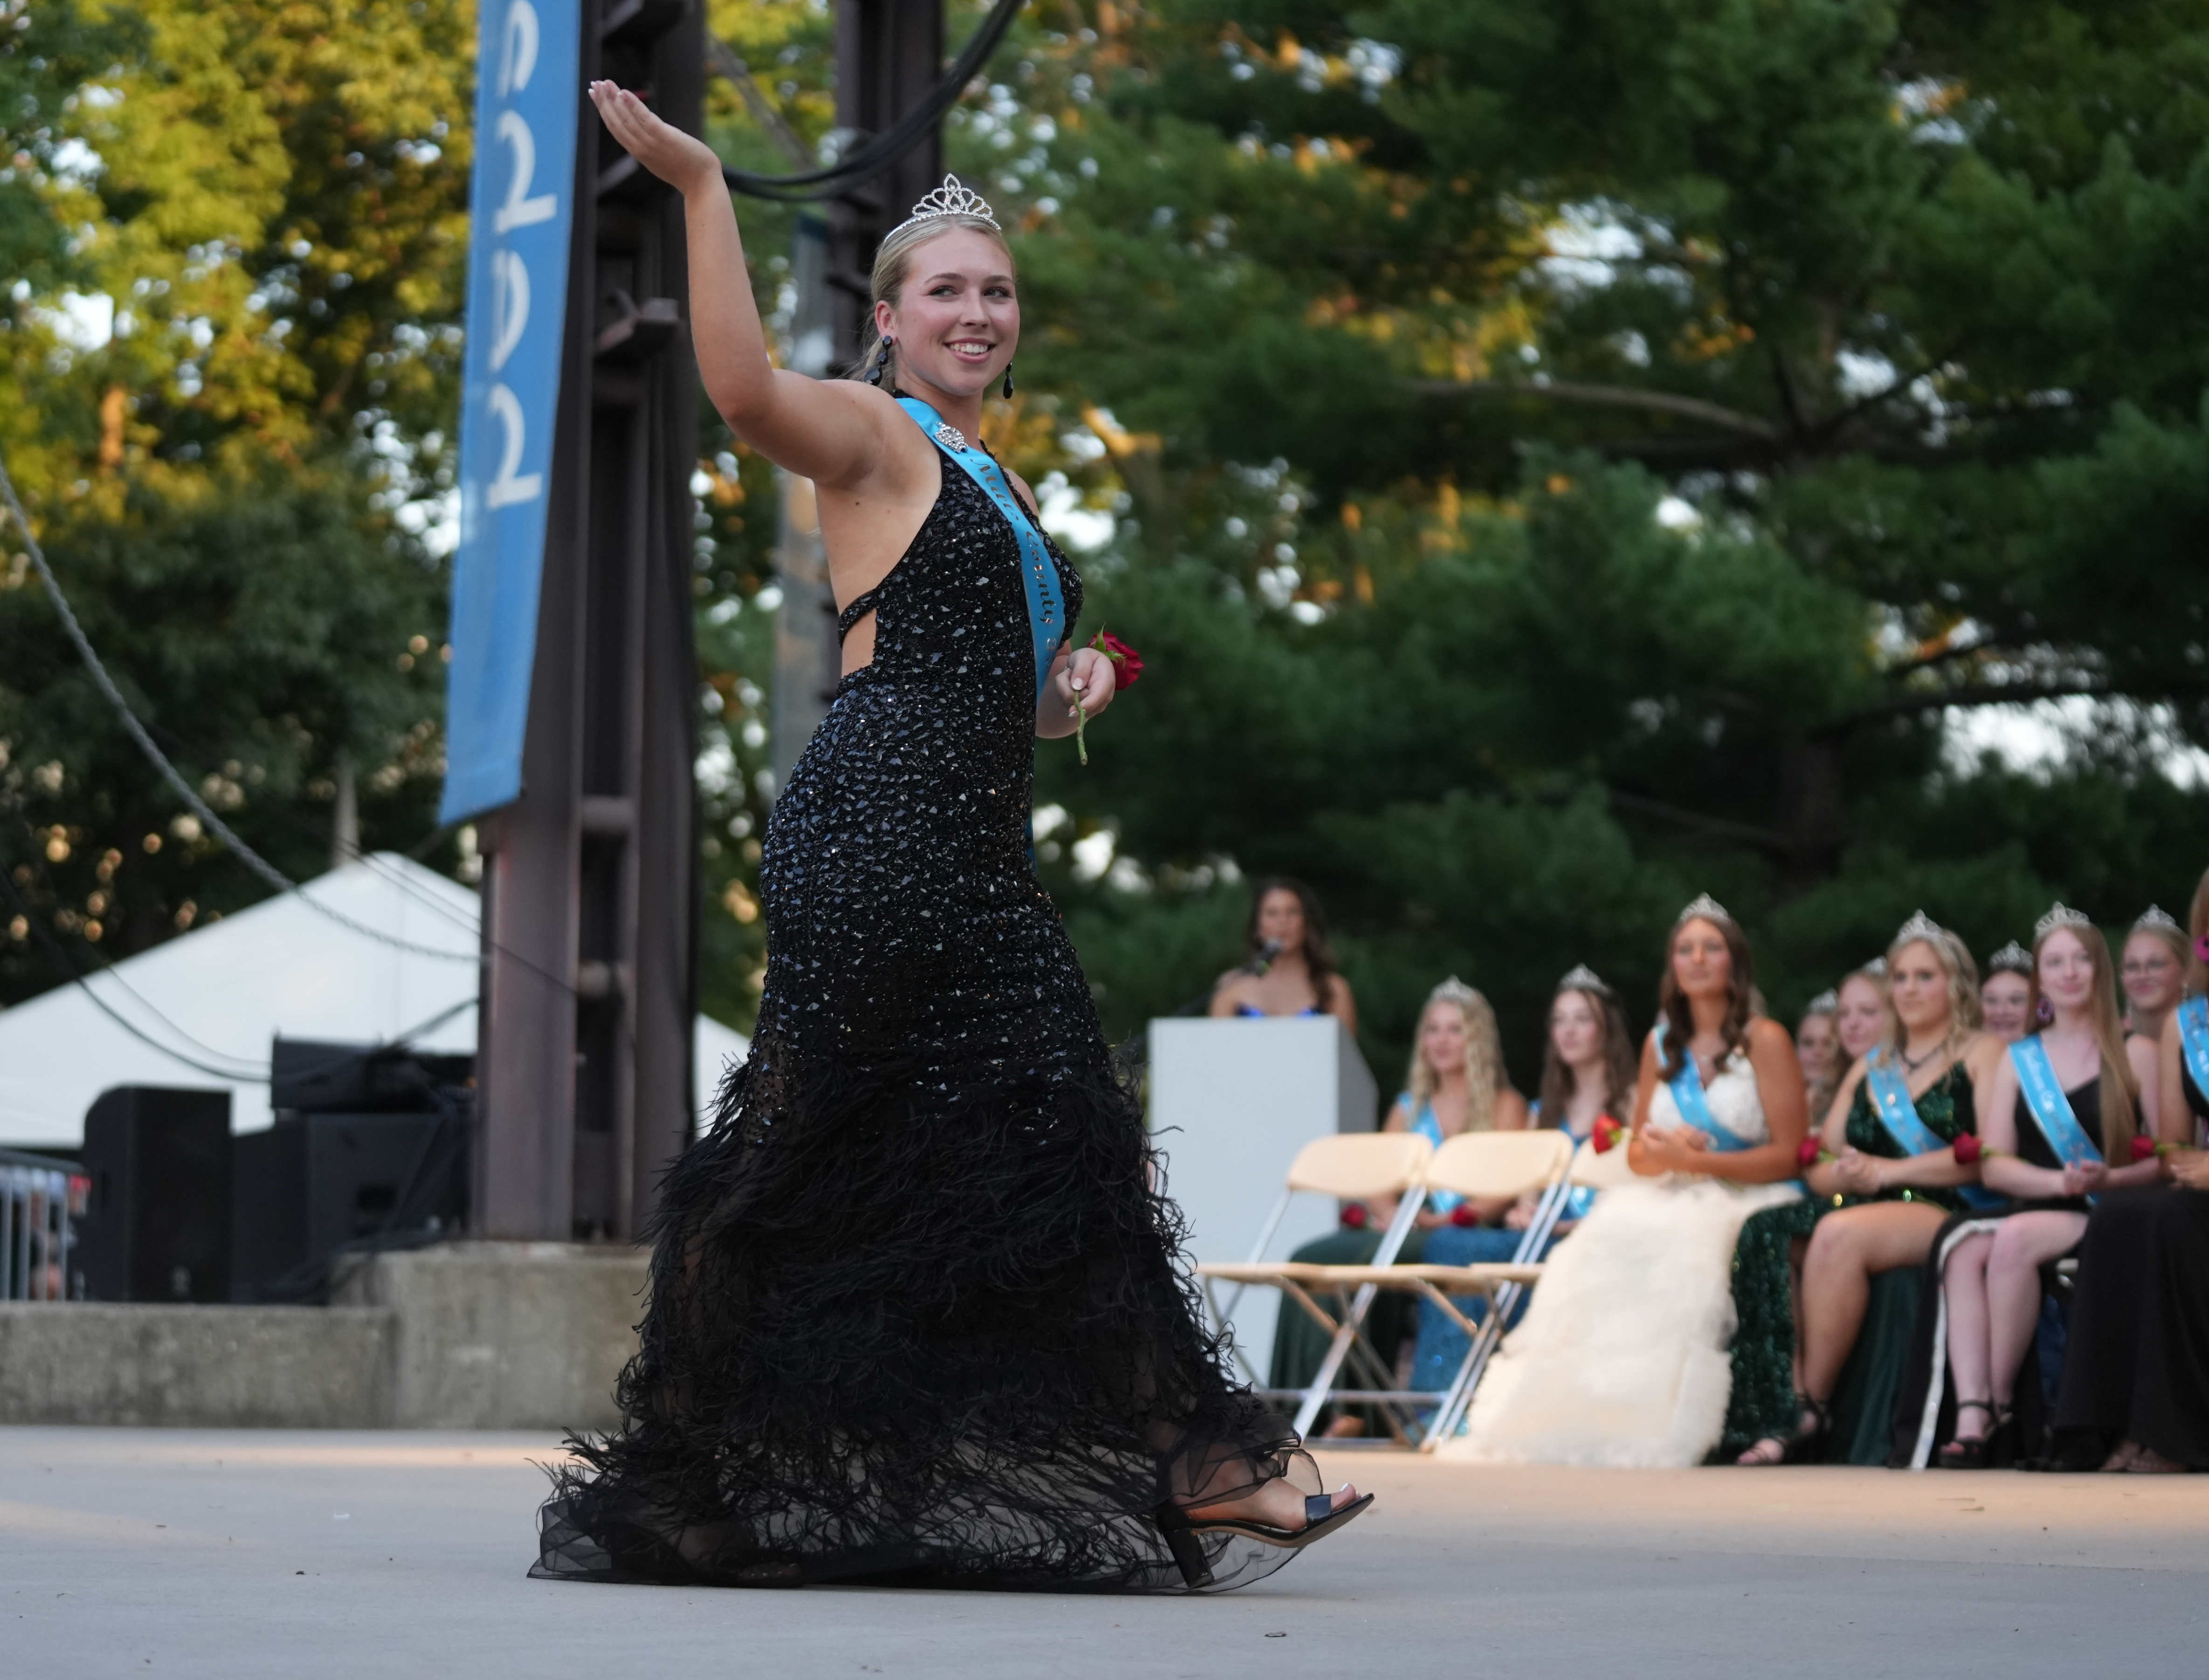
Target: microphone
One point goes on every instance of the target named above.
(1266, 952)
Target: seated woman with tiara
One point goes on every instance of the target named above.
(2006, 995)
(1456, 1083)
(1587, 1075)
(1885, 1179)
(2056, 1118)
(1818, 1048)
(2151, 973)
(1622, 1359)
(1290, 970)
(2135, 1393)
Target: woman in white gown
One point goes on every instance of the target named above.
(1622, 1357)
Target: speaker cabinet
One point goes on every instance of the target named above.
(313, 1183)
(157, 1224)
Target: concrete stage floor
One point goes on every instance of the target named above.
(327, 1556)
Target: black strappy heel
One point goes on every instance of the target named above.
(1809, 1446)
(1322, 1518)
(1971, 1454)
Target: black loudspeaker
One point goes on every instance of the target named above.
(157, 1224)
(313, 1183)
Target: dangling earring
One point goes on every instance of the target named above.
(881, 365)
(1008, 382)
(2046, 1012)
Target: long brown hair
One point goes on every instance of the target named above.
(1319, 953)
(1557, 1079)
(1672, 1003)
(2118, 1095)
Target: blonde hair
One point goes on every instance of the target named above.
(893, 259)
(1484, 1055)
(1962, 970)
(2117, 1093)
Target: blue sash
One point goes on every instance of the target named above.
(1438, 1201)
(2050, 1108)
(1695, 1105)
(1039, 576)
(2193, 1039)
(1891, 1102)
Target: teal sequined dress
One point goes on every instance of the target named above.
(1762, 1405)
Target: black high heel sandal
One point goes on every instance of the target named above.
(1809, 1446)
(1322, 1518)
(1971, 1454)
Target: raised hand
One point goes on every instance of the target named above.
(683, 161)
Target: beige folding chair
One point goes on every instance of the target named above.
(1350, 1167)
(1483, 1167)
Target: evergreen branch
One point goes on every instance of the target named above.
(1608, 396)
(1769, 839)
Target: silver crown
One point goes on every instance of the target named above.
(2058, 915)
(2012, 959)
(1876, 968)
(950, 199)
(1584, 978)
(1826, 1003)
(2155, 916)
(1919, 927)
(1454, 990)
(1706, 907)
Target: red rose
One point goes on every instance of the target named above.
(1127, 663)
(1607, 1132)
(1354, 1214)
(2145, 1148)
(1968, 1149)
(1809, 1152)
(1463, 1215)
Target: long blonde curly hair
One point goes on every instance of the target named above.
(1484, 1055)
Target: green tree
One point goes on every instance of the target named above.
(1568, 460)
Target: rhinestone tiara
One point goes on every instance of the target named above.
(1919, 927)
(2155, 916)
(1876, 968)
(1454, 990)
(1706, 907)
(951, 199)
(1826, 1003)
(2012, 959)
(1584, 978)
(2060, 915)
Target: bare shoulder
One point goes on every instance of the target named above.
(903, 454)
(1980, 1055)
(1339, 992)
(1511, 1111)
(1766, 1036)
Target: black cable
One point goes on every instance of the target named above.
(886, 149)
(61, 959)
(199, 808)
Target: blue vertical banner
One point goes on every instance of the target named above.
(521, 204)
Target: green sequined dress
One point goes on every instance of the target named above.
(1762, 1405)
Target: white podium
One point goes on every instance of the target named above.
(1231, 1104)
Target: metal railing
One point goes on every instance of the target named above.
(40, 1200)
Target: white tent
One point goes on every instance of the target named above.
(218, 994)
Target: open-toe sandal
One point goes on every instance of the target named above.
(1322, 1518)
(1971, 1454)
(1808, 1445)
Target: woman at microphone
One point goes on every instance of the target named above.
(1290, 969)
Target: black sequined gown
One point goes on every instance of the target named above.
(915, 1312)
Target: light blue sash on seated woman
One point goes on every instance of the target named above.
(1695, 1103)
(2044, 1099)
(1425, 1124)
(1046, 606)
(1897, 1113)
(2193, 1039)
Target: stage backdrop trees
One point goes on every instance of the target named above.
(1569, 460)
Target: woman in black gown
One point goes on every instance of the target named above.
(2136, 1368)
(915, 1313)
